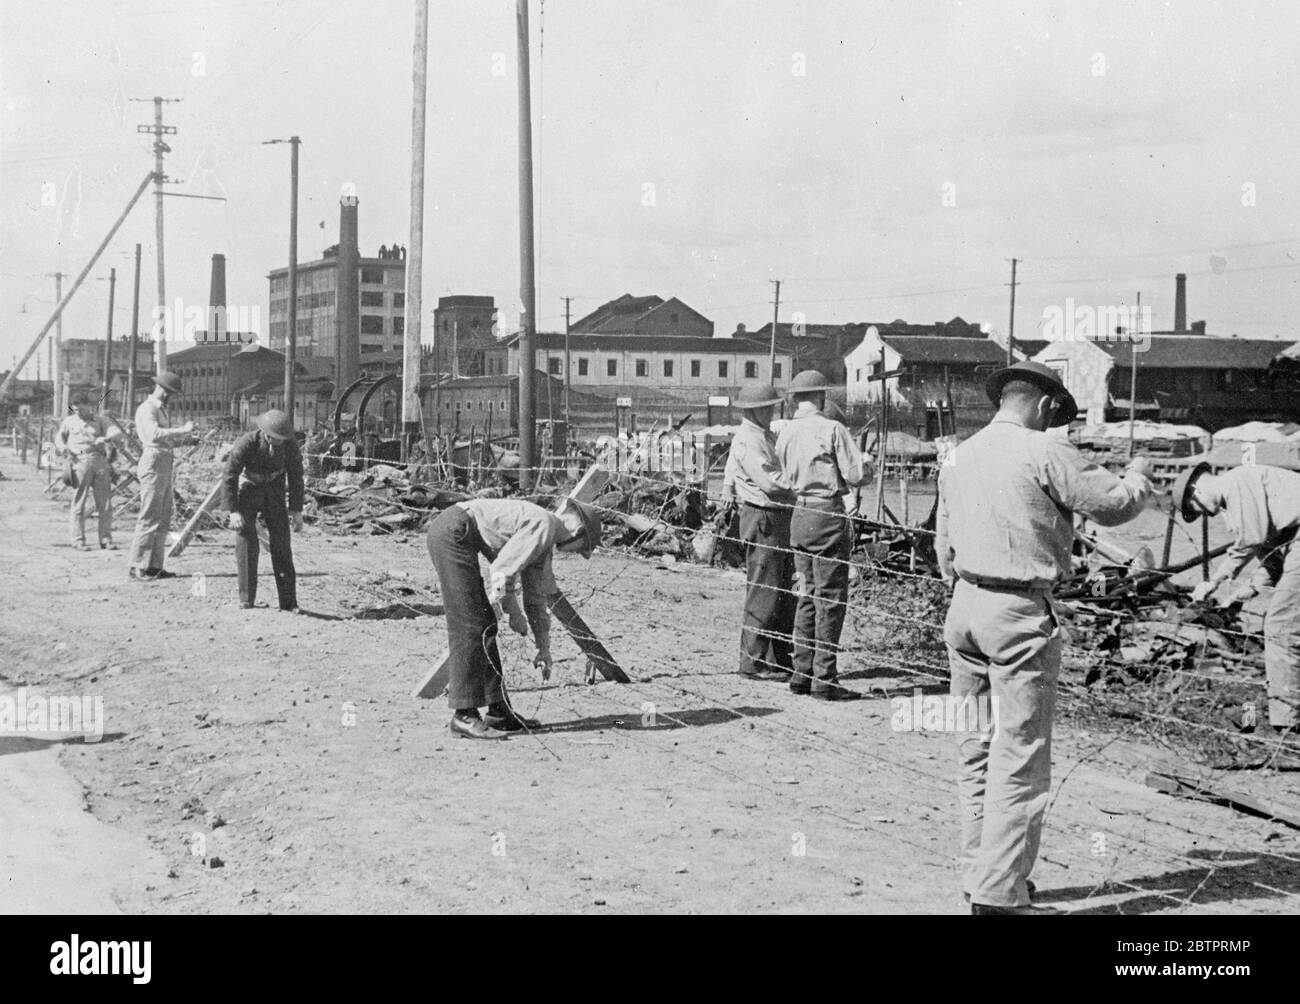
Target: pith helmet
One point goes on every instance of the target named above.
(808, 381)
(275, 423)
(1041, 376)
(1182, 490)
(756, 397)
(168, 381)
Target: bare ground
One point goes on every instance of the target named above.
(289, 750)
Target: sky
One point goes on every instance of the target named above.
(882, 159)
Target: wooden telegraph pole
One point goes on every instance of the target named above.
(128, 406)
(108, 340)
(415, 248)
(527, 281)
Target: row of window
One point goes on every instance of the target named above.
(375, 276)
(470, 405)
(555, 367)
(186, 372)
(371, 298)
(373, 324)
(191, 404)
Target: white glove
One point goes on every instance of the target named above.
(1203, 590)
(496, 588)
(1243, 593)
(542, 661)
(296, 519)
(1140, 465)
(236, 521)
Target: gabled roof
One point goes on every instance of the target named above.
(617, 314)
(941, 350)
(1198, 352)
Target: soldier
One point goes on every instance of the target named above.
(754, 477)
(1003, 537)
(262, 466)
(157, 493)
(518, 538)
(821, 461)
(86, 438)
(1262, 507)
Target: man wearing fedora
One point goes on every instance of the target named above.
(821, 462)
(518, 540)
(157, 492)
(1005, 526)
(1261, 505)
(263, 466)
(755, 479)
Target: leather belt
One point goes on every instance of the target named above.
(1004, 585)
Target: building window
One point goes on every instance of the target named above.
(372, 324)
(374, 276)
(751, 371)
(643, 367)
(672, 318)
(370, 298)
(399, 326)
(553, 366)
(399, 300)
(582, 366)
(668, 367)
(722, 369)
(857, 375)
(611, 367)
(776, 371)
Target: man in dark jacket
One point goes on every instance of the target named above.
(262, 466)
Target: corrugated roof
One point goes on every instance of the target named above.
(644, 343)
(945, 350)
(1198, 352)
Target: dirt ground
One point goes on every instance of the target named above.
(255, 761)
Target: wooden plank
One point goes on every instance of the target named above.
(1173, 782)
(187, 534)
(591, 484)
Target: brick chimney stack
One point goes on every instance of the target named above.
(1180, 304)
(217, 327)
(347, 318)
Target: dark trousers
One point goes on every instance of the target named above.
(769, 601)
(474, 678)
(821, 536)
(269, 501)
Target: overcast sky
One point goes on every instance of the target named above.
(882, 159)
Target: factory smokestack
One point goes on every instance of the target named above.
(217, 326)
(347, 318)
(1180, 304)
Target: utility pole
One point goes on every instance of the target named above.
(776, 312)
(415, 248)
(1133, 380)
(568, 325)
(57, 402)
(158, 130)
(291, 337)
(108, 339)
(128, 406)
(527, 279)
(1011, 325)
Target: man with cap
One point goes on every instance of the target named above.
(821, 462)
(1007, 498)
(86, 438)
(754, 477)
(1261, 505)
(157, 438)
(518, 540)
(263, 465)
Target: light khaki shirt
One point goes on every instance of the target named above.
(1007, 499)
(1261, 507)
(153, 426)
(78, 436)
(753, 472)
(521, 539)
(818, 455)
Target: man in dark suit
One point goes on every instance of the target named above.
(263, 465)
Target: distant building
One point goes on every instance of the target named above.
(628, 363)
(474, 403)
(644, 315)
(83, 367)
(349, 308)
(214, 375)
(1194, 379)
(463, 334)
(822, 347)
